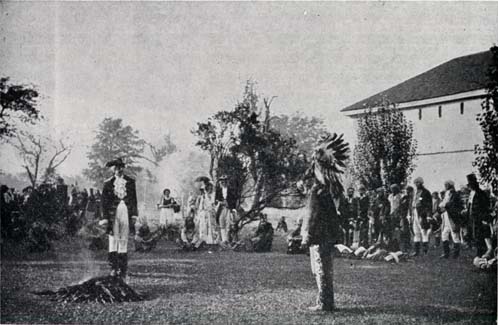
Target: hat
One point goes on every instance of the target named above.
(222, 178)
(116, 162)
(472, 178)
(419, 180)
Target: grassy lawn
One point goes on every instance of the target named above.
(233, 288)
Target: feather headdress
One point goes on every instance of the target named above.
(330, 157)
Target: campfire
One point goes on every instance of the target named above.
(104, 289)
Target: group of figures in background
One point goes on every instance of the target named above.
(38, 215)
(210, 221)
(390, 224)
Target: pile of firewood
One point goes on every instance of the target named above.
(105, 289)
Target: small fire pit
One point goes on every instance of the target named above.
(104, 289)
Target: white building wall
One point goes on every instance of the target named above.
(438, 137)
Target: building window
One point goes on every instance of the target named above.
(461, 108)
(440, 111)
(419, 113)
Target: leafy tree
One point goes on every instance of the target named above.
(261, 163)
(306, 131)
(385, 150)
(17, 104)
(113, 140)
(487, 154)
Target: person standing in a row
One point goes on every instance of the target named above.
(478, 214)
(451, 208)
(421, 212)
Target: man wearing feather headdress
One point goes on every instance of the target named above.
(322, 225)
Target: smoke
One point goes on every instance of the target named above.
(178, 171)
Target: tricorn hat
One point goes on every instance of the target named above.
(116, 162)
(472, 178)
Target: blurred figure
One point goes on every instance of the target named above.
(380, 211)
(282, 225)
(406, 217)
(392, 228)
(362, 219)
(294, 240)
(189, 239)
(145, 239)
(451, 207)
(421, 212)
(478, 213)
(166, 205)
(351, 207)
(225, 201)
(436, 219)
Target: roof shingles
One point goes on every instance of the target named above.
(459, 75)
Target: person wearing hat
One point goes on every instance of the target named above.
(362, 220)
(225, 201)
(478, 214)
(451, 208)
(421, 212)
(119, 210)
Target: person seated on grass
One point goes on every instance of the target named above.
(145, 239)
(189, 238)
(261, 241)
(294, 240)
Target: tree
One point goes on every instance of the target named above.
(487, 154)
(40, 154)
(17, 104)
(306, 131)
(261, 163)
(386, 150)
(113, 140)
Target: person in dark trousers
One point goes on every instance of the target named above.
(119, 210)
(478, 212)
(405, 222)
(362, 219)
(351, 207)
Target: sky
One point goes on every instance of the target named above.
(163, 66)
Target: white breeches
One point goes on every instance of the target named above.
(449, 229)
(225, 219)
(118, 242)
(166, 216)
(419, 234)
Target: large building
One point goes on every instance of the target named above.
(443, 104)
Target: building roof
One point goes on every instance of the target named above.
(459, 75)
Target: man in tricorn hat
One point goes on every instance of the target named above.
(119, 209)
(225, 202)
(478, 214)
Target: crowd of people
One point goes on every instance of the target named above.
(405, 218)
(48, 211)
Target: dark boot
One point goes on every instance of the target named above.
(416, 246)
(446, 249)
(426, 247)
(123, 265)
(113, 263)
(456, 250)
(438, 241)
